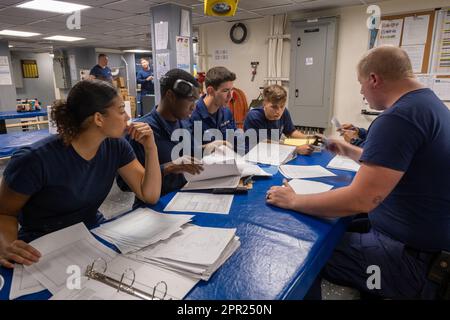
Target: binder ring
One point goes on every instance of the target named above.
(165, 289)
(95, 263)
(121, 279)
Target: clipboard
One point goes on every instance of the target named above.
(159, 290)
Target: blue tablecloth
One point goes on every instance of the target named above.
(281, 251)
(10, 142)
(4, 115)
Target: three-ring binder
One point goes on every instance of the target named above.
(91, 273)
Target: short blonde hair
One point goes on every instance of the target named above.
(388, 62)
(275, 93)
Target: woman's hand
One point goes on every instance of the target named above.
(18, 252)
(142, 133)
(281, 196)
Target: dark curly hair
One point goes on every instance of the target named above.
(85, 98)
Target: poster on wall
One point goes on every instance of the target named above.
(183, 54)
(5, 72)
(161, 35)
(390, 32)
(185, 27)
(162, 64)
(416, 55)
(416, 30)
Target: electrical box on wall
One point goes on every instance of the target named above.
(313, 60)
(221, 8)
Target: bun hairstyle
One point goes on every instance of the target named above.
(85, 99)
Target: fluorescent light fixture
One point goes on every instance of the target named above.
(137, 50)
(10, 46)
(64, 38)
(15, 33)
(53, 6)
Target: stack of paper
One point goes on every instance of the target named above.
(309, 187)
(222, 169)
(301, 172)
(215, 174)
(271, 153)
(343, 163)
(140, 229)
(245, 168)
(196, 251)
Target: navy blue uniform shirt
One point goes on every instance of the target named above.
(147, 86)
(221, 120)
(101, 73)
(256, 119)
(162, 131)
(413, 136)
(64, 188)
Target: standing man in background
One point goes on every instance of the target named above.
(101, 71)
(144, 77)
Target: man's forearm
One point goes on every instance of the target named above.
(340, 202)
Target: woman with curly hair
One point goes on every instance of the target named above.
(63, 179)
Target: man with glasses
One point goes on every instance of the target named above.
(179, 91)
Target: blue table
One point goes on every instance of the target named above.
(281, 251)
(8, 115)
(10, 142)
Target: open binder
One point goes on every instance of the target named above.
(121, 284)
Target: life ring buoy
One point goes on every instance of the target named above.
(236, 26)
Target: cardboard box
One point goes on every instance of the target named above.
(121, 82)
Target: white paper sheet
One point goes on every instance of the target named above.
(309, 187)
(23, 283)
(442, 88)
(162, 64)
(390, 33)
(336, 123)
(71, 246)
(200, 202)
(343, 163)
(416, 54)
(183, 54)
(161, 35)
(271, 153)
(415, 31)
(301, 172)
(5, 72)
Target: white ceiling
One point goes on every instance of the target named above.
(124, 24)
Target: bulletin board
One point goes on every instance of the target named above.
(413, 32)
(425, 36)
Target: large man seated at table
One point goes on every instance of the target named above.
(403, 184)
